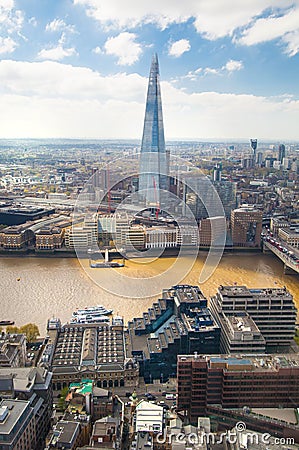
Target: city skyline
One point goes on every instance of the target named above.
(76, 68)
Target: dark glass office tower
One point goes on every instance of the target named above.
(281, 152)
(153, 157)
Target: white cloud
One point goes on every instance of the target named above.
(11, 19)
(292, 43)
(59, 25)
(228, 68)
(33, 21)
(285, 26)
(7, 45)
(124, 47)
(57, 52)
(177, 48)
(113, 14)
(213, 19)
(51, 99)
(211, 71)
(233, 65)
(97, 50)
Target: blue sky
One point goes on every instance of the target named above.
(79, 68)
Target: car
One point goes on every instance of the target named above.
(170, 396)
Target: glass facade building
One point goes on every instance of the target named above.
(153, 157)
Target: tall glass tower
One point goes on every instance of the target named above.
(153, 158)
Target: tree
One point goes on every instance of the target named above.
(61, 401)
(31, 331)
(12, 330)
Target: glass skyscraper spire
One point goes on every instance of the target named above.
(153, 159)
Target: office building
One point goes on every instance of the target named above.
(217, 172)
(49, 238)
(91, 351)
(239, 333)
(12, 350)
(84, 236)
(259, 159)
(246, 224)
(211, 231)
(135, 237)
(114, 227)
(227, 194)
(207, 198)
(161, 237)
(104, 433)
(260, 381)
(290, 235)
(153, 159)
(179, 322)
(149, 417)
(253, 145)
(272, 309)
(247, 163)
(17, 237)
(70, 432)
(281, 153)
(33, 386)
(17, 425)
(17, 215)
(269, 162)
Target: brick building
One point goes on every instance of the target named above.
(234, 382)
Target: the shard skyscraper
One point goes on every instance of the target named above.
(153, 158)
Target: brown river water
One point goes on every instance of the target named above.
(35, 289)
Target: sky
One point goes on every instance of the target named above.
(79, 68)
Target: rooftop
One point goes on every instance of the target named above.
(244, 291)
(263, 362)
(11, 412)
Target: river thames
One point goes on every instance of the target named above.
(35, 289)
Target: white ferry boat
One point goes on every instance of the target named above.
(93, 311)
(90, 319)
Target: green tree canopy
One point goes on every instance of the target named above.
(30, 330)
(12, 329)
